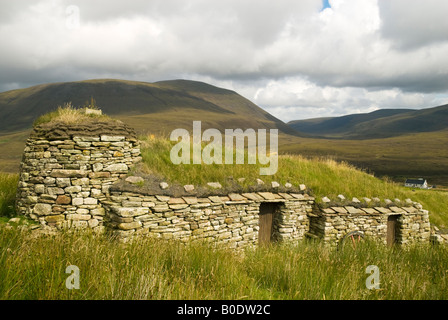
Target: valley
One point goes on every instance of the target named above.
(381, 143)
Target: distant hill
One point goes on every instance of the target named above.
(378, 124)
(149, 107)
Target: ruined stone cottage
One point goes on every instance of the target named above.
(78, 176)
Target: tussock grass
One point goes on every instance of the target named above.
(68, 114)
(34, 268)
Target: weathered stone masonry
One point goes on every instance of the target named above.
(66, 171)
(232, 219)
(77, 176)
(333, 223)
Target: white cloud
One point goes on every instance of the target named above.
(287, 56)
(410, 26)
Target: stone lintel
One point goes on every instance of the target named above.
(236, 197)
(252, 196)
(267, 195)
(383, 210)
(339, 209)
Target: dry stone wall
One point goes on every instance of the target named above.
(332, 223)
(66, 171)
(232, 220)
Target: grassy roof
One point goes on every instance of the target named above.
(322, 176)
(68, 114)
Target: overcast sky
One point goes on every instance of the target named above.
(296, 59)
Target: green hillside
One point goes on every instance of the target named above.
(150, 108)
(414, 155)
(183, 99)
(160, 107)
(378, 124)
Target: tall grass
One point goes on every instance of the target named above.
(8, 189)
(34, 268)
(68, 114)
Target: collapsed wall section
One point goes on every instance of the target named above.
(67, 170)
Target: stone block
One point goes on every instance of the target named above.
(176, 201)
(163, 185)
(99, 175)
(129, 212)
(134, 180)
(383, 210)
(93, 223)
(49, 181)
(90, 201)
(353, 210)
(252, 196)
(63, 182)
(106, 138)
(228, 220)
(369, 210)
(339, 209)
(178, 206)
(98, 212)
(55, 191)
(63, 199)
(215, 199)
(236, 197)
(62, 173)
(118, 167)
(79, 217)
(163, 198)
(214, 185)
(77, 202)
(73, 189)
(131, 204)
(39, 188)
(298, 196)
(32, 199)
(42, 209)
(130, 225)
(83, 182)
(267, 195)
(55, 218)
(190, 200)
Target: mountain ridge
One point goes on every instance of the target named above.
(175, 99)
(383, 123)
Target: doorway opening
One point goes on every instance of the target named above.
(267, 214)
(392, 230)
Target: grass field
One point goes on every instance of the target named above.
(34, 268)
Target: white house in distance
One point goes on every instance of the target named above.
(416, 183)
